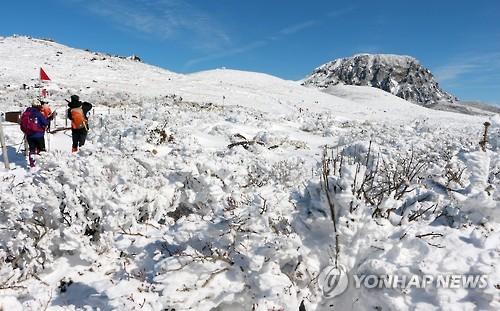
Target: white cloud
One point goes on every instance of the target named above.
(163, 19)
(341, 12)
(225, 54)
(298, 27)
(253, 45)
(453, 71)
(466, 64)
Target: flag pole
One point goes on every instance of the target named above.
(40, 82)
(43, 77)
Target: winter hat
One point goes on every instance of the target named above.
(75, 99)
(36, 103)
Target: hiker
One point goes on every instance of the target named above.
(78, 113)
(34, 124)
(47, 112)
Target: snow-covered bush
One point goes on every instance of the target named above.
(409, 184)
(219, 228)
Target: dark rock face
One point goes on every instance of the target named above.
(402, 76)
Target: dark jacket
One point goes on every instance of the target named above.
(42, 122)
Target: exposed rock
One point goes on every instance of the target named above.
(402, 76)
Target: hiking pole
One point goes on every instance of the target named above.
(48, 141)
(26, 146)
(20, 145)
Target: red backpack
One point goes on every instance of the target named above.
(29, 122)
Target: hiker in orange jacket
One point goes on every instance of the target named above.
(78, 113)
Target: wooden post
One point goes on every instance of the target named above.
(4, 147)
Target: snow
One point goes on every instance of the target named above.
(206, 192)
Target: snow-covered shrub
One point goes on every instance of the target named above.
(405, 183)
(217, 228)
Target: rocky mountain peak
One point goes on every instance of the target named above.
(400, 75)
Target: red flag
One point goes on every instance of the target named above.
(43, 75)
(44, 93)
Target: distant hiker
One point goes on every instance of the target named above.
(47, 112)
(34, 124)
(78, 113)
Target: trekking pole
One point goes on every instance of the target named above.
(48, 141)
(20, 145)
(26, 146)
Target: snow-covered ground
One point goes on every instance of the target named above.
(207, 192)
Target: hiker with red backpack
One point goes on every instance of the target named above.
(34, 124)
(78, 113)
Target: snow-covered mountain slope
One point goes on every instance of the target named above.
(111, 80)
(215, 191)
(21, 57)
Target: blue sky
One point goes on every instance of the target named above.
(458, 41)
